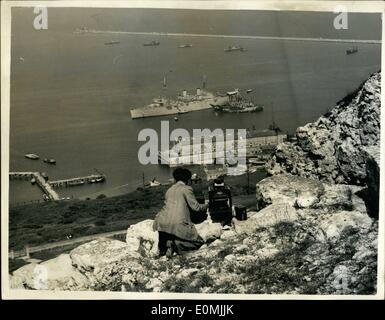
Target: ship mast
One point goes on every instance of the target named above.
(273, 125)
(204, 81)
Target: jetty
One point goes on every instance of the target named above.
(93, 178)
(44, 185)
(48, 186)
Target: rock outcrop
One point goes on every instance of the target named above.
(332, 148)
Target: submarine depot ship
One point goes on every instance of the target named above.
(184, 103)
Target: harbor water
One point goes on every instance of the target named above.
(71, 94)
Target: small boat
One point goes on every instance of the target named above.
(154, 183)
(232, 108)
(76, 183)
(352, 50)
(33, 181)
(32, 156)
(50, 161)
(188, 45)
(234, 48)
(151, 44)
(97, 179)
(44, 175)
(249, 90)
(176, 119)
(111, 42)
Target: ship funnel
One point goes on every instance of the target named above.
(184, 93)
(198, 91)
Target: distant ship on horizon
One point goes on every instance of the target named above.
(352, 50)
(187, 45)
(111, 42)
(234, 48)
(151, 44)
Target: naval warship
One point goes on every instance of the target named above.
(184, 103)
(234, 48)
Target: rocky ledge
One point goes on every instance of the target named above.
(311, 234)
(333, 147)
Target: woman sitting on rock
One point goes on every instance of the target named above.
(176, 231)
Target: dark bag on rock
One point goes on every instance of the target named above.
(220, 204)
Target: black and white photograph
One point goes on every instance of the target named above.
(192, 149)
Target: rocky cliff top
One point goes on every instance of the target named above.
(332, 148)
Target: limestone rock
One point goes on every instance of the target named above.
(228, 234)
(336, 196)
(338, 222)
(142, 238)
(54, 274)
(154, 285)
(331, 148)
(209, 231)
(267, 217)
(306, 198)
(289, 189)
(266, 252)
(98, 253)
(23, 277)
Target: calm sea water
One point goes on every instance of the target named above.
(71, 96)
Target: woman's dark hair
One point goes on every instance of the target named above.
(182, 174)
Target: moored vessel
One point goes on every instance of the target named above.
(32, 156)
(236, 103)
(234, 48)
(50, 161)
(184, 103)
(111, 42)
(188, 45)
(76, 183)
(151, 44)
(154, 183)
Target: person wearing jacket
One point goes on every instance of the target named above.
(176, 231)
